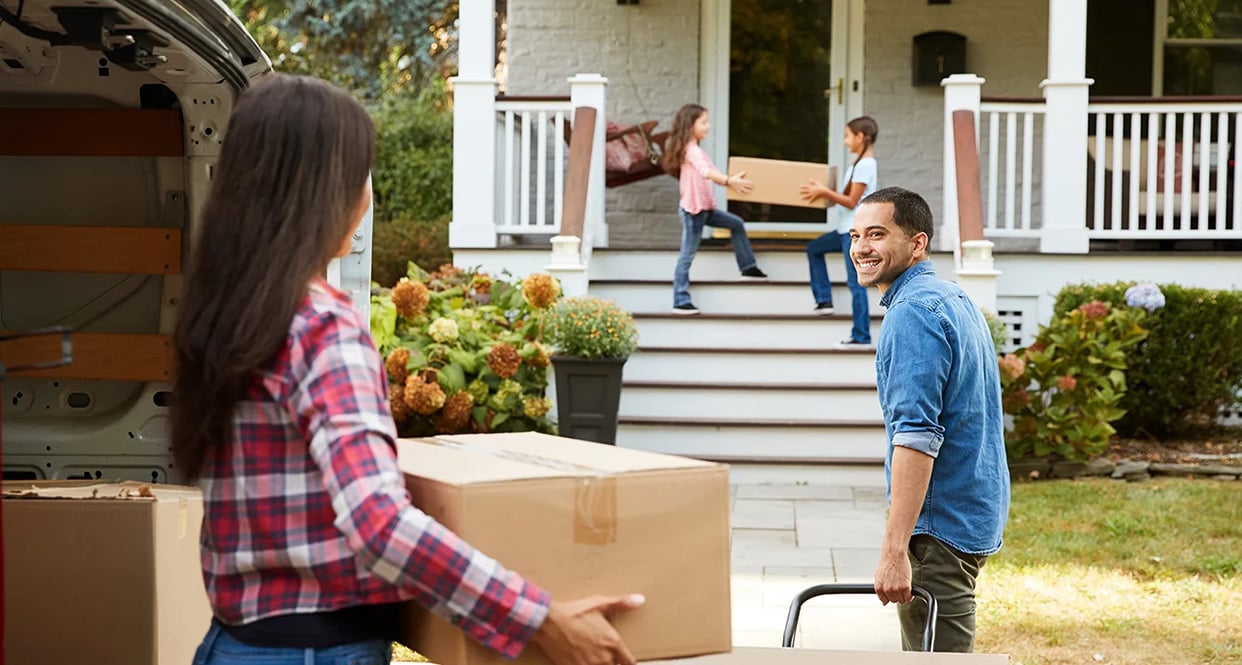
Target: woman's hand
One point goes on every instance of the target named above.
(813, 190)
(578, 632)
(739, 183)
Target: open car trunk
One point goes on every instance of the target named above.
(112, 115)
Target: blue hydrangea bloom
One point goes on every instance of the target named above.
(1145, 295)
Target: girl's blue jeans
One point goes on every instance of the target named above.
(218, 648)
(692, 234)
(821, 286)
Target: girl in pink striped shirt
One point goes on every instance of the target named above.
(695, 172)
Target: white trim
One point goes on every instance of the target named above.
(714, 80)
(857, 32)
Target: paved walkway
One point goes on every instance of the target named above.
(788, 536)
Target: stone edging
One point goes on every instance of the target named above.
(1128, 470)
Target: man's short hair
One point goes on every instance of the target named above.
(910, 211)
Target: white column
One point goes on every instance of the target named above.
(977, 275)
(591, 90)
(474, 128)
(1065, 131)
(961, 92)
(568, 267)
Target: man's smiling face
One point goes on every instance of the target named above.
(881, 250)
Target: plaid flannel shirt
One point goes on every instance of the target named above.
(306, 510)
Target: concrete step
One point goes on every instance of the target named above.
(785, 401)
(731, 440)
(732, 331)
(748, 367)
(726, 296)
(788, 263)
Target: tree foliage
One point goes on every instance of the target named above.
(374, 47)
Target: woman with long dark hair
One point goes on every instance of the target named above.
(281, 413)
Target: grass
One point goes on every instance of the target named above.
(1131, 573)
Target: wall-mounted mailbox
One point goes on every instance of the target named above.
(936, 55)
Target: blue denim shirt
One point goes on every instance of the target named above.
(940, 393)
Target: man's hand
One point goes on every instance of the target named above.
(892, 578)
(578, 632)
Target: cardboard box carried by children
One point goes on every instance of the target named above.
(580, 519)
(778, 181)
(102, 573)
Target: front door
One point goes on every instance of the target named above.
(790, 82)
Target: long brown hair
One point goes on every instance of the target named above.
(680, 137)
(870, 130)
(287, 185)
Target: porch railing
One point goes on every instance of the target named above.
(1164, 169)
(532, 138)
(510, 158)
(1156, 168)
(1015, 215)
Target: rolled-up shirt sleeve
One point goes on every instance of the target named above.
(917, 362)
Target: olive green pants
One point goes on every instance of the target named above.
(950, 576)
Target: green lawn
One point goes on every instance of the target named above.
(1103, 571)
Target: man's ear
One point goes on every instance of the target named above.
(921, 242)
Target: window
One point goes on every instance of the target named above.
(1199, 52)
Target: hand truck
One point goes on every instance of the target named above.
(795, 608)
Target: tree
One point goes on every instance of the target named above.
(374, 47)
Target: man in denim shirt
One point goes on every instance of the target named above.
(940, 393)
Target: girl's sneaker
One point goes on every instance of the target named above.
(853, 344)
(753, 272)
(687, 309)
(824, 309)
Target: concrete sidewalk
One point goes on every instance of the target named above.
(788, 535)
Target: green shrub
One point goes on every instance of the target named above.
(397, 243)
(1064, 391)
(1000, 332)
(412, 182)
(413, 174)
(1188, 370)
(587, 327)
(463, 352)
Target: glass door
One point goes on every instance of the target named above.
(789, 89)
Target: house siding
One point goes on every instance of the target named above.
(650, 55)
(1006, 43)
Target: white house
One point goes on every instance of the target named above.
(1107, 138)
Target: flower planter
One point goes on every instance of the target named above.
(588, 396)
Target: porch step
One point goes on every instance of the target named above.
(728, 296)
(712, 263)
(767, 400)
(756, 440)
(758, 331)
(738, 365)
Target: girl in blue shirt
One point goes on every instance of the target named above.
(860, 179)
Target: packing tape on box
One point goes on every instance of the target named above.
(595, 495)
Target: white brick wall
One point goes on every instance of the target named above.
(650, 54)
(1006, 43)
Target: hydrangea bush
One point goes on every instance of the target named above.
(1064, 391)
(464, 351)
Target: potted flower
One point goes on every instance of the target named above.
(592, 339)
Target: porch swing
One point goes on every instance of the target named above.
(633, 153)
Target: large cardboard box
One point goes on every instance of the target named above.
(778, 181)
(105, 573)
(761, 656)
(580, 519)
